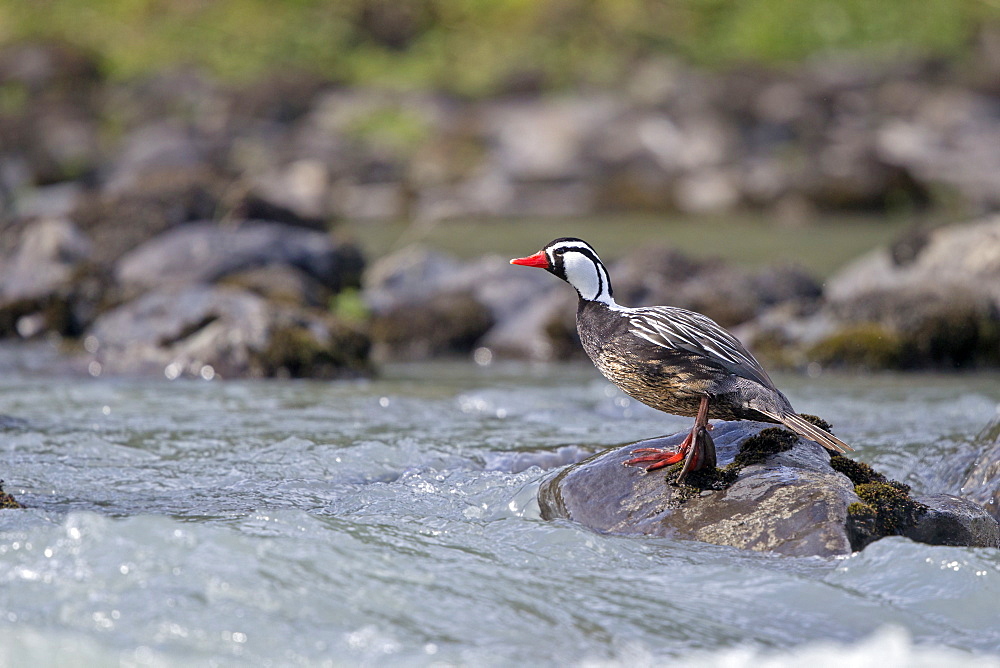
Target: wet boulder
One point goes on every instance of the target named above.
(776, 492)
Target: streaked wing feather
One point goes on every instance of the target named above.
(677, 328)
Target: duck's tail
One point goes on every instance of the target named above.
(808, 430)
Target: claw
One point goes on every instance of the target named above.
(665, 462)
(660, 458)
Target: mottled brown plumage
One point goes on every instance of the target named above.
(672, 359)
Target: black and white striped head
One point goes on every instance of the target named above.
(574, 261)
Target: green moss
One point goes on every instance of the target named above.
(894, 510)
(885, 509)
(859, 472)
(865, 345)
(861, 510)
(768, 442)
(696, 482)
(713, 478)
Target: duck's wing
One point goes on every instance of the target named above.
(679, 329)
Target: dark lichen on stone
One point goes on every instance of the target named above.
(895, 511)
(758, 448)
(7, 500)
(859, 472)
(885, 509)
(754, 450)
(696, 482)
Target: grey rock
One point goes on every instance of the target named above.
(44, 260)
(952, 520)
(544, 330)
(53, 201)
(543, 140)
(187, 331)
(409, 275)
(119, 221)
(937, 295)
(283, 284)
(932, 299)
(483, 302)
(206, 252)
(449, 323)
(730, 295)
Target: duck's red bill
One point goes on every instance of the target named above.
(539, 259)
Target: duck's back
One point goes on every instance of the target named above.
(670, 378)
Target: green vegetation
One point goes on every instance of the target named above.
(476, 47)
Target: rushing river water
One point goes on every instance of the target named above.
(393, 522)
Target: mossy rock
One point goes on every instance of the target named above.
(885, 507)
(895, 511)
(859, 472)
(785, 498)
(298, 351)
(867, 345)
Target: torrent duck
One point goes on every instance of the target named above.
(672, 359)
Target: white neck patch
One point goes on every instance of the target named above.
(589, 278)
